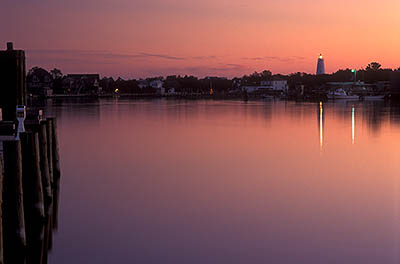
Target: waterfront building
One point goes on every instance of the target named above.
(272, 86)
(320, 65)
(158, 86)
(276, 85)
(39, 82)
(81, 83)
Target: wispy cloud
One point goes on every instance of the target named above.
(163, 56)
(204, 57)
(102, 54)
(56, 61)
(275, 58)
(224, 69)
(231, 66)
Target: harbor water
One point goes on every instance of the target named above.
(169, 181)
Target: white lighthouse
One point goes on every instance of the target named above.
(320, 65)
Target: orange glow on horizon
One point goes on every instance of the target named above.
(212, 37)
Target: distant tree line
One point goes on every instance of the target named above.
(180, 84)
(372, 73)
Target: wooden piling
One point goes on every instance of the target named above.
(13, 212)
(33, 196)
(44, 167)
(56, 155)
(56, 201)
(49, 131)
(1, 210)
(31, 176)
(50, 244)
(46, 241)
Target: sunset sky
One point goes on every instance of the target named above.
(143, 38)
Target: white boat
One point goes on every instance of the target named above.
(341, 94)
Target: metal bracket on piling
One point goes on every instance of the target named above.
(40, 115)
(21, 115)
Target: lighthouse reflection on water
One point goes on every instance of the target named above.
(321, 124)
(321, 121)
(353, 121)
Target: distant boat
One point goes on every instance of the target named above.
(267, 97)
(341, 94)
(373, 97)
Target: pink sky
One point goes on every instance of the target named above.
(137, 38)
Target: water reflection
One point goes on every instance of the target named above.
(39, 235)
(353, 124)
(374, 115)
(170, 181)
(321, 124)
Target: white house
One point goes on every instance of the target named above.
(158, 86)
(280, 85)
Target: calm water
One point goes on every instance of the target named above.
(228, 182)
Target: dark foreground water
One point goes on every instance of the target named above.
(228, 182)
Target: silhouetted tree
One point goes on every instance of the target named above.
(56, 73)
(57, 81)
(373, 66)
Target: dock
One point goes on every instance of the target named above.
(29, 169)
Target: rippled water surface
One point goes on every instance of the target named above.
(168, 181)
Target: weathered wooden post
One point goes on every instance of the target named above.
(50, 245)
(56, 201)
(13, 211)
(44, 167)
(33, 196)
(49, 131)
(1, 208)
(56, 154)
(31, 176)
(46, 241)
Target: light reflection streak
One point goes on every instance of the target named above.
(353, 125)
(321, 126)
(321, 115)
